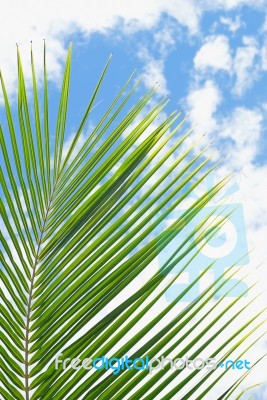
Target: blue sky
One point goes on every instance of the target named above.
(184, 64)
(210, 57)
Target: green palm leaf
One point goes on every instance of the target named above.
(76, 235)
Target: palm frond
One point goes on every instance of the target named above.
(79, 229)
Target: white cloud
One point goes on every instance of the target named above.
(233, 24)
(245, 66)
(243, 63)
(264, 56)
(203, 103)
(166, 38)
(58, 21)
(231, 4)
(243, 127)
(264, 25)
(187, 13)
(240, 136)
(215, 53)
(153, 71)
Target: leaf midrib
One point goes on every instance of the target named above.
(30, 297)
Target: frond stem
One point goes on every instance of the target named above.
(28, 316)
